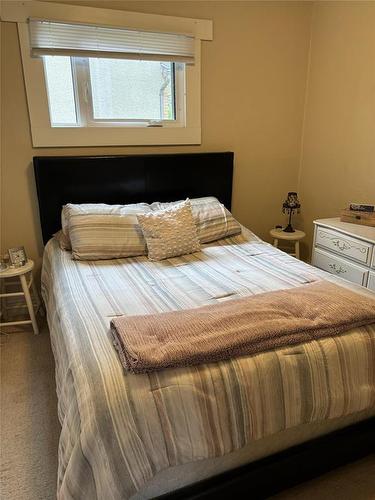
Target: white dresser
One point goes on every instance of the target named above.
(345, 249)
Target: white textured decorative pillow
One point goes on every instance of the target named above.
(212, 219)
(105, 231)
(170, 232)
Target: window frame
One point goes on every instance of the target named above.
(43, 135)
(84, 102)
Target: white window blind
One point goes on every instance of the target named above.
(86, 40)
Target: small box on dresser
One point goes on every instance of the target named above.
(345, 249)
(363, 218)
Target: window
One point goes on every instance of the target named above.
(60, 88)
(111, 76)
(91, 92)
(132, 90)
(101, 77)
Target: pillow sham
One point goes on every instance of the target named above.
(63, 241)
(212, 219)
(105, 231)
(95, 208)
(170, 232)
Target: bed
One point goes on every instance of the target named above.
(202, 431)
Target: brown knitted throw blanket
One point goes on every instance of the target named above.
(238, 327)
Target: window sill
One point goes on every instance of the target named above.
(114, 136)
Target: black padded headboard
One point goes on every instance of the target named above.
(128, 179)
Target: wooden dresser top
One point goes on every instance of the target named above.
(356, 230)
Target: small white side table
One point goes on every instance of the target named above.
(22, 272)
(279, 234)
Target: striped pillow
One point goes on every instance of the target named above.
(63, 241)
(99, 231)
(212, 219)
(96, 208)
(170, 232)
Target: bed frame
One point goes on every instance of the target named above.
(286, 469)
(168, 177)
(128, 179)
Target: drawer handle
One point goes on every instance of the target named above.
(337, 269)
(342, 245)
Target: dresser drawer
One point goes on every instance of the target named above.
(371, 281)
(340, 267)
(373, 259)
(357, 250)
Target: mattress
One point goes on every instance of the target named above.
(136, 436)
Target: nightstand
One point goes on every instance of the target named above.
(279, 234)
(26, 284)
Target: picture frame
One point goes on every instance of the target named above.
(17, 256)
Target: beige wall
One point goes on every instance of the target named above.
(259, 101)
(253, 88)
(338, 157)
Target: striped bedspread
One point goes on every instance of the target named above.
(119, 430)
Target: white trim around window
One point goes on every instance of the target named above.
(44, 135)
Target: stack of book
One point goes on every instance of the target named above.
(359, 213)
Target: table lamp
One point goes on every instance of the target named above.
(290, 206)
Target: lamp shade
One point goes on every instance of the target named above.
(292, 201)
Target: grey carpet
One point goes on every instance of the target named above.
(30, 430)
(29, 424)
